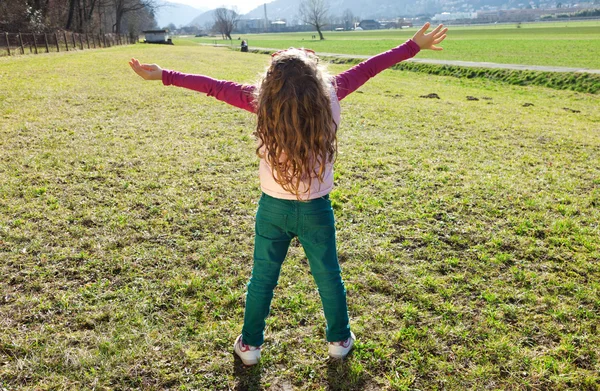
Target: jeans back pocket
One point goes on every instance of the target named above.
(319, 227)
(271, 225)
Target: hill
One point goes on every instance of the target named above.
(178, 14)
(204, 18)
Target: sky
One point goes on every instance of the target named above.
(243, 6)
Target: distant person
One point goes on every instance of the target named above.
(244, 46)
(295, 181)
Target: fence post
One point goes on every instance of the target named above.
(87, 39)
(56, 38)
(93, 41)
(74, 43)
(66, 41)
(80, 41)
(7, 43)
(104, 36)
(46, 41)
(21, 42)
(35, 44)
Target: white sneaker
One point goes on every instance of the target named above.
(248, 354)
(342, 348)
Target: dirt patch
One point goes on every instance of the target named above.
(430, 96)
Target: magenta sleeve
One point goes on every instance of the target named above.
(238, 95)
(350, 80)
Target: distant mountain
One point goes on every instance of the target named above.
(203, 19)
(178, 14)
(375, 9)
(288, 9)
(278, 9)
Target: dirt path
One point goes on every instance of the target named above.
(471, 64)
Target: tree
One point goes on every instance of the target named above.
(314, 12)
(348, 19)
(225, 21)
(123, 7)
(80, 14)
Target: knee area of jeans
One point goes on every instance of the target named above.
(259, 285)
(330, 278)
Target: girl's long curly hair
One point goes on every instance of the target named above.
(295, 130)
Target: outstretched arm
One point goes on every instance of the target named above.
(350, 80)
(235, 94)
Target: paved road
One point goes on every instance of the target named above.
(457, 63)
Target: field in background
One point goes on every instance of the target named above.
(468, 233)
(568, 44)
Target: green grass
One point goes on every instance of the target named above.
(574, 44)
(468, 233)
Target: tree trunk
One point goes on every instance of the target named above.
(118, 24)
(80, 12)
(321, 37)
(71, 12)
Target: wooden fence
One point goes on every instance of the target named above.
(34, 43)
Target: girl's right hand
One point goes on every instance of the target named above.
(428, 41)
(146, 71)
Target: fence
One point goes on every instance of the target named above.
(20, 43)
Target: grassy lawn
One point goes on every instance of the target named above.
(468, 233)
(575, 44)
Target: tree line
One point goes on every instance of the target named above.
(82, 16)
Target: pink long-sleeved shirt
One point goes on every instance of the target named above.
(242, 96)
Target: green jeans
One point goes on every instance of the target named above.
(278, 221)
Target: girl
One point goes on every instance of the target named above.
(298, 110)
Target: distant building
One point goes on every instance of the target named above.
(278, 25)
(369, 24)
(157, 36)
(255, 25)
(404, 23)
(446, 16)
(518, 15)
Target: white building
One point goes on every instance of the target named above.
(156, 36)
(445, 16)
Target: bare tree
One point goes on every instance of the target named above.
(81, 13)
(314, 12)
(348, 19)
(123, 7)
(225, 21)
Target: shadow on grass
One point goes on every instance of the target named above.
(346, 375)
(248, 378)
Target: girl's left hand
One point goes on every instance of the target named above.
(428, 41)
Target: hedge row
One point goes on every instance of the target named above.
(580, 82)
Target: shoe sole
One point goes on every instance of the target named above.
(248, 363)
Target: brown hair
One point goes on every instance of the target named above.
(295, 129)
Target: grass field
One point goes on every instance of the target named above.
(574, 44)
(468, 233)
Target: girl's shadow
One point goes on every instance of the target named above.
(247, 378)
(341, 375)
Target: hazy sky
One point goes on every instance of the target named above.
(244, 6)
